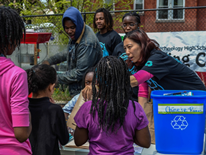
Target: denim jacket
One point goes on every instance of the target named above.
(81, 55)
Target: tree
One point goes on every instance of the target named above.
(8, 2)
(37, 7)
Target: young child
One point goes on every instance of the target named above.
(111, 122)
(14, 112)
(87, 80)
(48, 120)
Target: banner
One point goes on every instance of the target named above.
(188, 47)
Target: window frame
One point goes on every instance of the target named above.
(170, 12)
(134, 5)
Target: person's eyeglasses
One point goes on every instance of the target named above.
(130, 25)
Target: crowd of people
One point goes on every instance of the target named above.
(115, 78)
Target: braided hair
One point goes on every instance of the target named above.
(112, 99)
(40, 76)
(108, 19)
(134, 14)
(11, 30)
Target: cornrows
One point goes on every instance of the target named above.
(11, 30)
(111, 101)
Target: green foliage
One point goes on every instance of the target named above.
(60, 95)
(36, 7)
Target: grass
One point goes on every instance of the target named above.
(61, 95)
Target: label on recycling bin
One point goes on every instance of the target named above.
(180, 108)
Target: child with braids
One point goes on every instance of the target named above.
(15, 126)
(48, 121)
(111, 122)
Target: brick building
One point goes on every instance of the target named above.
(170, 20)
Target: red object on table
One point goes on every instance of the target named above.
(30, 95)
(202, 76)
(36, 37)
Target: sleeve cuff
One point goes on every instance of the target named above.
(142, 76)
(20, 120)
(145, 124)
(143, 95)
(78, 124)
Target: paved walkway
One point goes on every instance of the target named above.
(149, 151)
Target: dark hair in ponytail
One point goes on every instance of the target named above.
(40, 76)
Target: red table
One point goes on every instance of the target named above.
(36, 38)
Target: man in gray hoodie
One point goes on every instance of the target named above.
(83, 52)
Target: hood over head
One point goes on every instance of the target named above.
(76, 17)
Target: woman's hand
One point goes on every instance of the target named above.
(133, 81)
(87, 92)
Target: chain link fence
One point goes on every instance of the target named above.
(152, 20)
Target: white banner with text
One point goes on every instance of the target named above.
(188, 47)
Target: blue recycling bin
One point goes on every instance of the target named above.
(179, 121)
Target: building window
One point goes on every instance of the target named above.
(109, 4)
(170, 14)
(138, 4)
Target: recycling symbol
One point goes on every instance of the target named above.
(179, 122)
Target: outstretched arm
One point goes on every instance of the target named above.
(86, 56)
(57, 58)
(133, 81)
(140, 77)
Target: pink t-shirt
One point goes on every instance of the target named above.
(120, 142)
(14, 111)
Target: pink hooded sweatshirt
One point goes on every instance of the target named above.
(14, 111)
